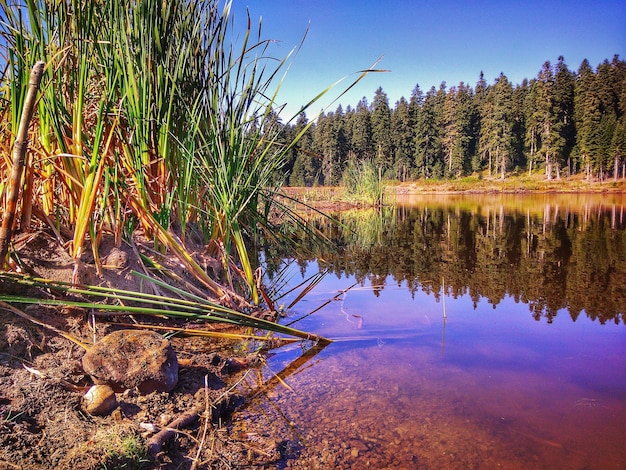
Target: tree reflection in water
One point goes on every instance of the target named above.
(551, 252)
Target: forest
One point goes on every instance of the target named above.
(561, 123)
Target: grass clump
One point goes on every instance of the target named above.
(114, 447)
(362, 181)
(130, 452)
(148, 112)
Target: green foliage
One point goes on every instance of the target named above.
(129, 452)
(381, 126)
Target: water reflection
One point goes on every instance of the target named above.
(550, 252)
(439, 363)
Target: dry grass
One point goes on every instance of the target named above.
(513, 184)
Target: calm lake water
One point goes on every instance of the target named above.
(471, 332)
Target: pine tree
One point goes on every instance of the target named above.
(520, 94)
(618, 82)
(563, 109)
(331, 143)
(546, 119)
(415, 108)
(273, 126)
(587, 115)
(306, 167)
(481, 109)
(501, 135)
(496, 139)
(416, 101)
(618, 148)
(428, 137)
(402, 139)
(457, 120)
(361, 141)
(381, 130)
(609, 82)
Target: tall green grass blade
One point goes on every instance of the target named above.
(153, 305)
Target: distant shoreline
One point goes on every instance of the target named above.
(512, 185)
(332, 198)
(476, 185)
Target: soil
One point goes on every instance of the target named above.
(43, 423)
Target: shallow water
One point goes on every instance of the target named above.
(482, 332)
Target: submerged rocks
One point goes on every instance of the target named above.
(128, 359)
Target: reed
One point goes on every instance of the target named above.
(152, 114)
(363, 182)
(180, 304)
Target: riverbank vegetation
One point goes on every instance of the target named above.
(559, 124)
(152, 117)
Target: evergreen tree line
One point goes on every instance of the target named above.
(561, 123)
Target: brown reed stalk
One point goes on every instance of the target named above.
(19, 154)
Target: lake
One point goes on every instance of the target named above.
(471, 331)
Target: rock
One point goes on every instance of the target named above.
(128, 359)
(116, 259)
(99, 400)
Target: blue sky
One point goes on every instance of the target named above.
(428, 42)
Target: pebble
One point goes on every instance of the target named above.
(99, 400)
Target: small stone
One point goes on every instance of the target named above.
(150, 428)
(116, 259)
(354, 452)
(165, 419)
(99, 400)
(128, 359)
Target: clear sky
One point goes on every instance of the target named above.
(427, 42)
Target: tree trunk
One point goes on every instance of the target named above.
(548, 167)
(569, 167)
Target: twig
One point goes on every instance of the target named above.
(62, 382)
(10, 465)
(156, 442)
(26, 316)
(207, 416)
(336, 297)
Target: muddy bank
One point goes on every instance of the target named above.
(43, 422)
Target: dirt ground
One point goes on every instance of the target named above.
(43, 424)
